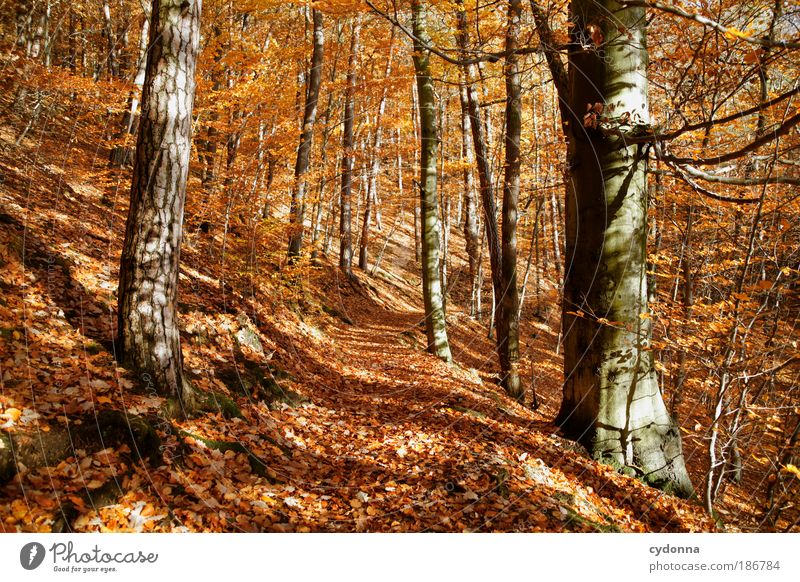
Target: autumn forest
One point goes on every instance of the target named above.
(399, 266)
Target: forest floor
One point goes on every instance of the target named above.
(342, 421)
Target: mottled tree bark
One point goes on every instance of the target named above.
(345, 210)
(508, 316)
(298, 206)
(435, 326)
(148, 318)
(612, 402)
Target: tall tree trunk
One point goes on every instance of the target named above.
(556, 239)
(431, 284)
(298, 206)
(375, 166)
(120, 154)
(72, 44)
(149, 268)
(687, 297)
(417, 218)
(485, 181)
(470, 208)
(345, 212)
(612, 402)
(508, 319)
(112, 61)
(317, 228)
(209, 155)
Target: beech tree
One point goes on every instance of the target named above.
(345, 212)
(435, 326)
(508, 314)
(502, 253)
(612, 401)
(298, 206)
(149, 338)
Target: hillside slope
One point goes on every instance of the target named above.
(341, 421)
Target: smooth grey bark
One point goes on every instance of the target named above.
(612, 402)
(298, 205)
(345, 211)
(435, 326)
(470, 207)
(148, 288)
(417, 218)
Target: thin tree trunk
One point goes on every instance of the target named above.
(345, 219)
(556, 239)
(444, 200)
(485, 181)
(532, 254)
(112, 61)
(120, 154)
(417, 220)
(508, 320)
(375, 166)
(317, 228)
(470, 208)
(298, 205)
(687, 301)
(435, 326)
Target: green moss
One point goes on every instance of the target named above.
(257, 465)
(575, 518)
(219, 402)
(469, 411)
(92, 347)
(251, 378)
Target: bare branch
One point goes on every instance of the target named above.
(729, 31)
(754, 145)
(733, 181)
(484, 57)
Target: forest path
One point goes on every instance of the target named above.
(391, 438)
(396, 440)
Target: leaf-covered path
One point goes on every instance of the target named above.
(346, 423)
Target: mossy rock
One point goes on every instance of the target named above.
(572, 517)
(278, 394)
(219, 402)
(247, 336)
(337, 314)
(252, 379)
(468, 411)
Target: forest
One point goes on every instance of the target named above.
(399, 266)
